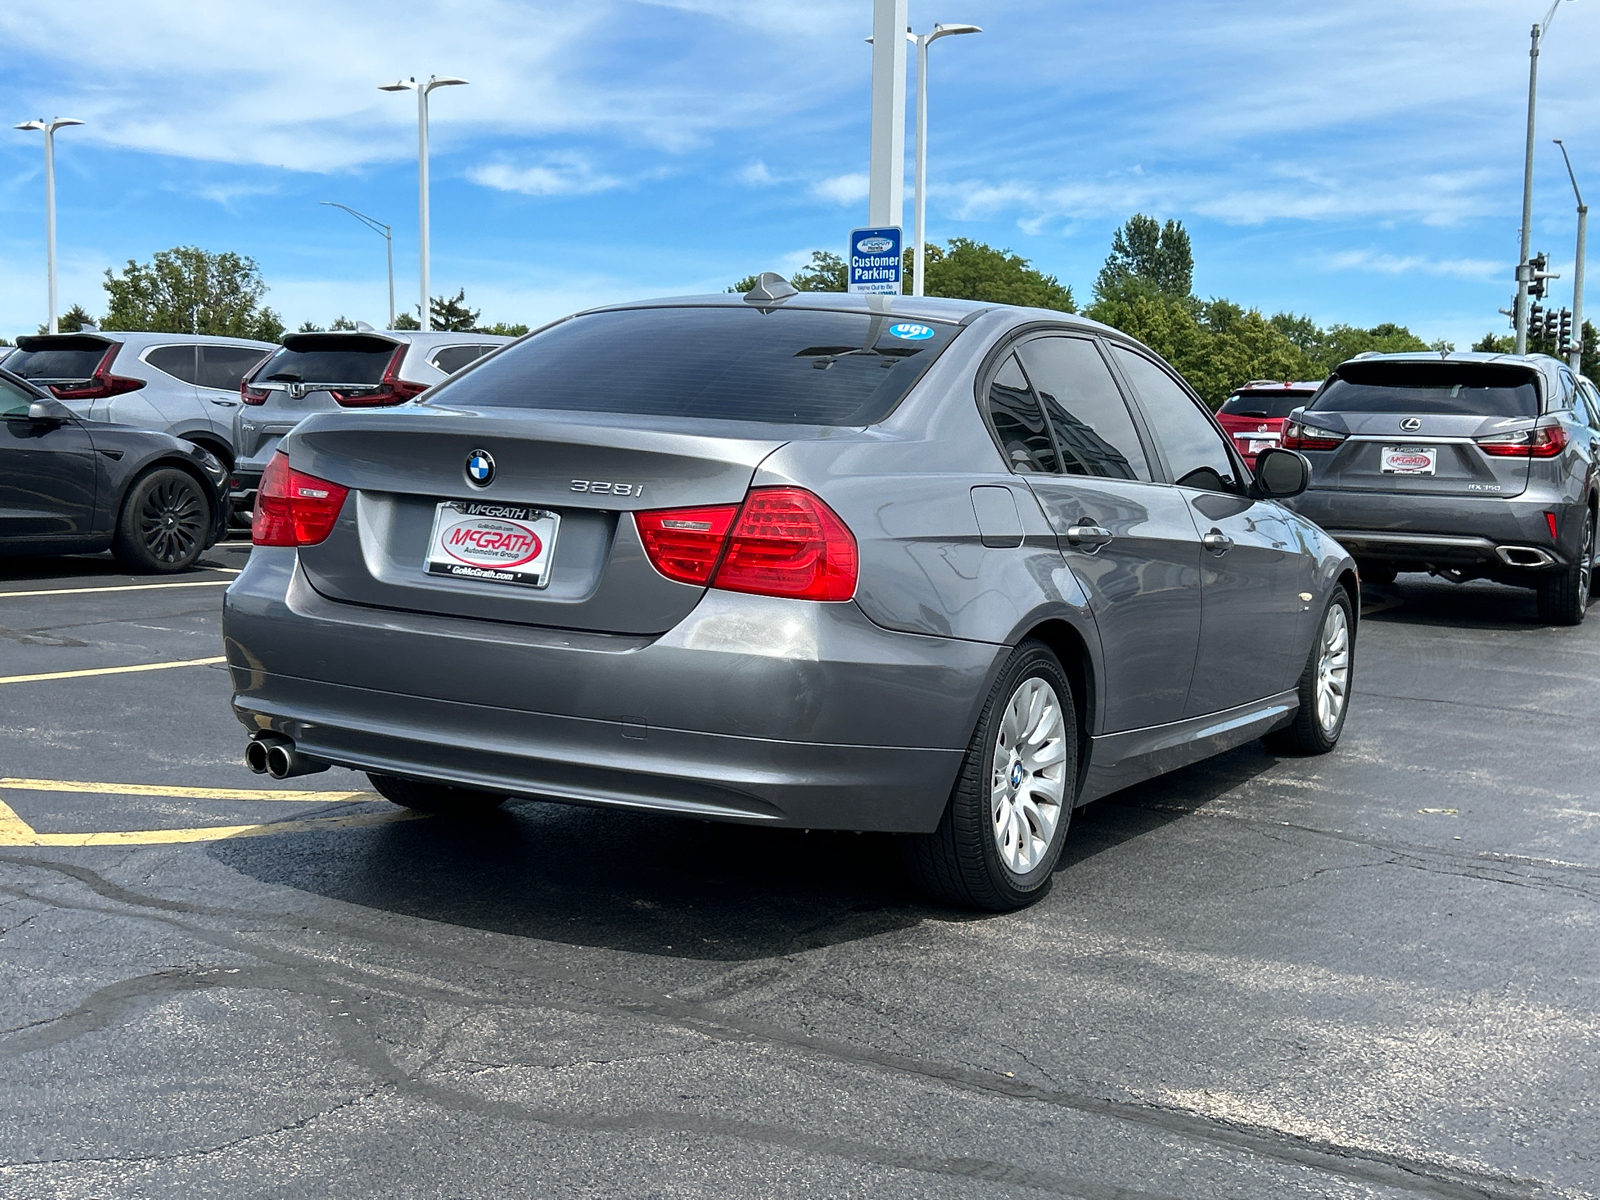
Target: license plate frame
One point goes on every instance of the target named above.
(1394, 460)
(511, 544)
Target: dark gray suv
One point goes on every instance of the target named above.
(930, 567)
(1468, 466)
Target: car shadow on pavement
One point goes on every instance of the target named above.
(655, 884)
(87, 568)
(1423, 600)
(637, 882)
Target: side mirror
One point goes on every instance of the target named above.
(1280, 474)
(49, 412)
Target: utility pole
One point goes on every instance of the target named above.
(49, 128)
(376, 226)
(1524, 268)
(1575, 353)
(886, 175)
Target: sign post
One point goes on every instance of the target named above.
(874, 260)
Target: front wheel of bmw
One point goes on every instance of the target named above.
(1324, 689)
(1002, 830)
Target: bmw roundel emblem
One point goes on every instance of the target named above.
(480, 468)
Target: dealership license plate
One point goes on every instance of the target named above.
(497, 543)
(1410, 460)
(1257, 445)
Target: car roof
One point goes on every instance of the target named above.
(141, 338)
(1539, 362)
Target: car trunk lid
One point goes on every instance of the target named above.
(592, 471)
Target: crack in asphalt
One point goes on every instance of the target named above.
(1364, 1165)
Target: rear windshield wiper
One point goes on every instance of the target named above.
(823, 357)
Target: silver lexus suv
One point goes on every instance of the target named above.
(324, 372)
(179, 383)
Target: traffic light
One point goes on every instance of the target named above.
(1541, 271)
(1565, 331)
(1536, 317)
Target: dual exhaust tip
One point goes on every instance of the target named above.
(273, 754)
(1524, 556)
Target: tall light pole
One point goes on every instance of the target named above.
(422, 90)
(376, 226)
(1524, 266)
(1575, 355)
(922, 41)
(886, 175)
(49, 128)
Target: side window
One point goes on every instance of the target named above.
(1195, 451)
(224, 367)
(1018, 422)
(14, 402)
(177, 361)
(451, 359)
(1592, 401)
(1085, 408)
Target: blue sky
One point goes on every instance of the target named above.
(1357, 161)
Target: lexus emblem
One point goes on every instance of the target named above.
(480, 468)
(1411, 424)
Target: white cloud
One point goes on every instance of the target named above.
(756, 174)
(842, 189)
(1476, 269)
(559, 175)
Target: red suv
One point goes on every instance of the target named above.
(1254, 414)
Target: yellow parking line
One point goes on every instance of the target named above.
(168, 790)
(188, 662)
(14, 831)
(127, 587)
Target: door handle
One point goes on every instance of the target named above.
(1090, 537)
(1217, 542)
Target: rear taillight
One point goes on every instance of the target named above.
(102, 383)
(1546, 441)
(391, 388)
(293, 508)
(779, 542)
(251, 395)
(685, 543)
(1297, 436)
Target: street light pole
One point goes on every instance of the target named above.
(49, 128)
(422, 90)
(887, 163)
(379, 227)
(1524, 267)
(1575, 355)
(922, 42)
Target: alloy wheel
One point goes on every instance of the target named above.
(170, 520)
(1333, 669)
(1028, 784)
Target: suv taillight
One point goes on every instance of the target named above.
(1546, 441)
(102, 383)
(293, 508)
(1297, 436)
(251, 395)
(780, 542)
(391, 388)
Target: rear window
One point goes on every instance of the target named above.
(797, 366)
(59, 358)
(1263, 404)
(1467, 389)
(349, 360)
(451, 359)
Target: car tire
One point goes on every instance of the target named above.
(164, 523)
(439, 798)
(1564, 591)
(1324, 687)
(1017, 781)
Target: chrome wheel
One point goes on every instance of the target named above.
(1586, 567)
(1029, 779)
(171, 520)
(1333, 669)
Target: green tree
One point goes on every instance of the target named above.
(1492, 343)
(342, 323)
(451, 315)
(310, 327)
(190, 290)
(1144, 249)
(501, 329)
(406, 320)
(71, 321)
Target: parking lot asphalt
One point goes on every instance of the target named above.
(1370, 974)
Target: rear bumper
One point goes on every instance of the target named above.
(1510, 537)
(752, 709)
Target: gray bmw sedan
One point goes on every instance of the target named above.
(938, 568)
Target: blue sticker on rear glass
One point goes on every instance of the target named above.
(911, 333)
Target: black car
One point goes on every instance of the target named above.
(69, 485)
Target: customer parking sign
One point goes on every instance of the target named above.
(875, 260)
